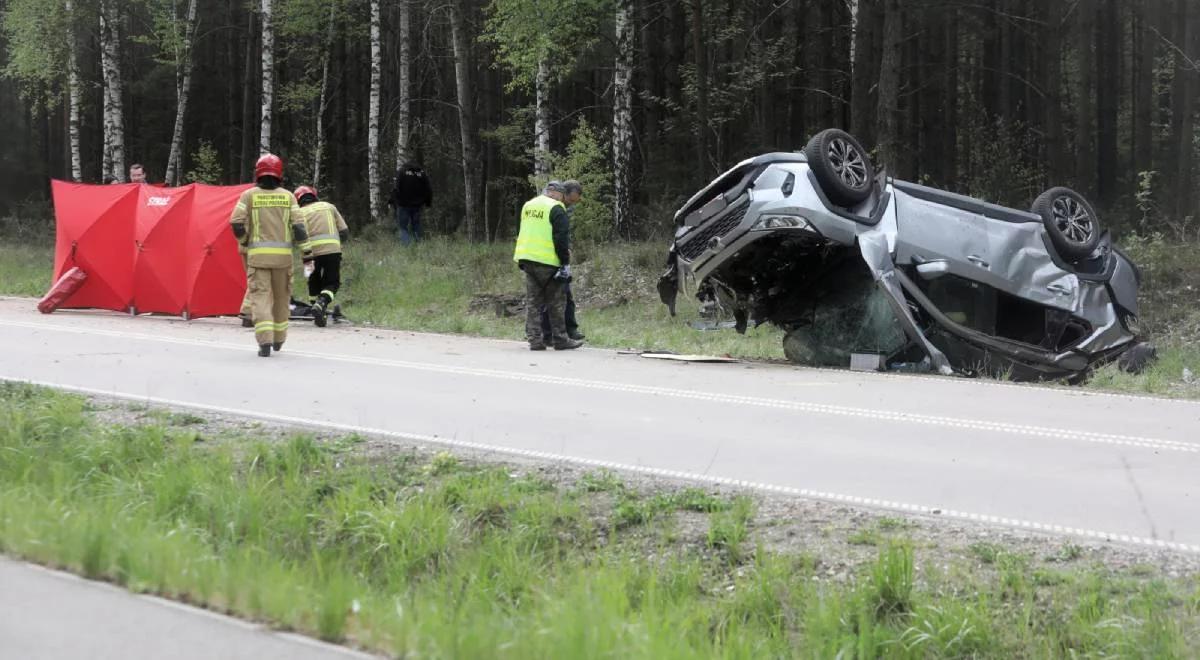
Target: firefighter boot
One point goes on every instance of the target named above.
(318, 310)
(278, 346)
(247, 322)
(264, 350)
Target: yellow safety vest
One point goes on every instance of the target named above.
(535, 242)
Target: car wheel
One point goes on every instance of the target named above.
(841, 166)
(1071, 222)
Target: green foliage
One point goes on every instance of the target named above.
(586, 160)
(206, 165)
(33, 31)
(527, 32)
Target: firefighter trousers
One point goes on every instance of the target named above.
(270, 294)
(326, 278)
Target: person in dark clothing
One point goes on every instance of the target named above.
(411, 194)
(572, 194)
(543, 252)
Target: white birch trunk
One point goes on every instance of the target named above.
(268, 77)
(404, 116)
(110, 62)
(541, 126)
(73, 94)
(375, 198)
(466, 119)
(324, 101)
(623, 118)
(183, 85)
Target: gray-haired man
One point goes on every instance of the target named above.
(572, 193)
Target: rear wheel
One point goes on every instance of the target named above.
(841, 166)
(1070, 221)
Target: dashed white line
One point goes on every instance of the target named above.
(650, 390)
(869, 502)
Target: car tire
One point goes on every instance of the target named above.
(1071, 222)
(842, 167)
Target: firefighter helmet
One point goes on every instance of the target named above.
(269, 165)
(306, 191)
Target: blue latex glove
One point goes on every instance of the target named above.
(563, 274)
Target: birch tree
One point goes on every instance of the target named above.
(268, 77)
(323, 100)
(539, 41)
(114, 107)
(404, 112)
(622, 146)
(74, 98)
(375, 197)
(466, 120)
(183, 85)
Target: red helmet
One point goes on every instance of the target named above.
(302, 191)
(268, 165)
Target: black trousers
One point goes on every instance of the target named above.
(572, 323)
(326, 278)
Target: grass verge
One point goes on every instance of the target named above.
(439, 557)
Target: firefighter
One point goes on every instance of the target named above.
(269, 222)
(322, 252)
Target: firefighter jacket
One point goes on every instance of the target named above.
(270, 224)
(325, 229)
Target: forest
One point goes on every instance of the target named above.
(642, 100)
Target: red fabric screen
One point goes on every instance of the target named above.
(155, 249)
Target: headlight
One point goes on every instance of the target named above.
(779, 221)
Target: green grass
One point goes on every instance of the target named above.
(436, 557)
(25, 269)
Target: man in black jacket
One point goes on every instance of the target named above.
(411, 194)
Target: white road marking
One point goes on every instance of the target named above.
(869, 502)
(649, 390)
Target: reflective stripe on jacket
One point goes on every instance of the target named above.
(535, 242)
(324, 224)
(269, 216)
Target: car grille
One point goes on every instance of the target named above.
(698, 239)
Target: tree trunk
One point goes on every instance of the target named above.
(247, 100)
(404, 115)
(110, 62)
(701, 126)
(323, 101)
(1085, 150)
(541, 125)
(1183, 101)
(74, 96)
(1143, 88)
(949, 129)
(268, 78)
(1107, 101)
(1051, 40)
(374, 196)
(863, 106)
(183, 85)
(623, 119)
(466, 120)
(887, 125)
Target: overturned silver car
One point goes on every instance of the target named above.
(849, 262)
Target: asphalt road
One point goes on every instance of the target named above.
(47, 615)
(1063, 461)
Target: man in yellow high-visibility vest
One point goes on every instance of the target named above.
(268, 221)
(544, 254)
(322, 254)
